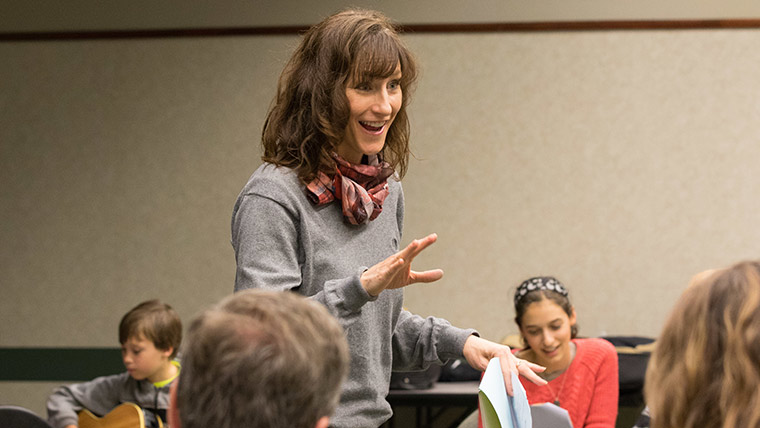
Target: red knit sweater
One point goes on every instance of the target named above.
(588, 389)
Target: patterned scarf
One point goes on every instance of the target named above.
(361, 188)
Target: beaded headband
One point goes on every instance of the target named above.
(539, 283)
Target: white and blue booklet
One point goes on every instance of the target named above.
(499, 410)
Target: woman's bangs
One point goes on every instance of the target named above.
(377, 58)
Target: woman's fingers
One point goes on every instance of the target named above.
(415, 247)
(479, 352)
(529, 370)
(378, 277)
(395, 271)
(426, 276)
(508, 366)
(512, 364)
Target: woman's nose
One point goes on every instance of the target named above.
(382, 103)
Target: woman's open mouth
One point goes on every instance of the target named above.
(373, 127)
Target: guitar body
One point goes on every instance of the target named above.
(127, 415)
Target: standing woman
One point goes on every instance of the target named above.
(582, 374)
(323, 215)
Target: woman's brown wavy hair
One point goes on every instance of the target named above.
(310, 112)
(705, 371)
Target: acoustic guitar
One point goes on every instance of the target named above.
(127, 415)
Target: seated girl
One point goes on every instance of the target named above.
(582, 374)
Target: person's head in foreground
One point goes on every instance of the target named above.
(547, 322)
(262, 359)
(705, 370)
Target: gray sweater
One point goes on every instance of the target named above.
(283, 242)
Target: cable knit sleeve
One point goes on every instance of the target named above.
(604, 402)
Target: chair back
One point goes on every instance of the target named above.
(19, 417)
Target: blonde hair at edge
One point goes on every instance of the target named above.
(705, 371)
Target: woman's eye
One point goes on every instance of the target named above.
(363, 87)
(394, 85)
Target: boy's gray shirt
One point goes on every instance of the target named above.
(101, 395)
(283, 241)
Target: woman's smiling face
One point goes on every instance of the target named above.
(546, 328)
(374, 105)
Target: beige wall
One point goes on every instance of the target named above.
(621, 162)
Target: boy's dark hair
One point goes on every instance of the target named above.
(156, 321)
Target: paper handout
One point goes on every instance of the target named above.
(497, 409)
(550, 415)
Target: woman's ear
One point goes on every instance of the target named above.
(572, 316)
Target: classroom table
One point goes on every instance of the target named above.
(431, 404)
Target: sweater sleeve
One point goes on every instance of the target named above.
(604, 403)
(262, 226)
(418, 341)
(99, 396)
(265, 239)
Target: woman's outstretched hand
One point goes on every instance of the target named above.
(396, 271)
(479, 352)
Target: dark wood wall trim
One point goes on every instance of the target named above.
(494, 27)
(583, 26)
(58, 364)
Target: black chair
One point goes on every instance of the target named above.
(633, 357)
(19, 417)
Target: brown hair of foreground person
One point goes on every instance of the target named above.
(705, 370)
(262, 359)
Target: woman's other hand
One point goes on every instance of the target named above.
(396, 271)
(479, 352)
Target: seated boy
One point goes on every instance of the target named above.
(150, 335)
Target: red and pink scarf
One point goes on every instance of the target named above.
(360, 188)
